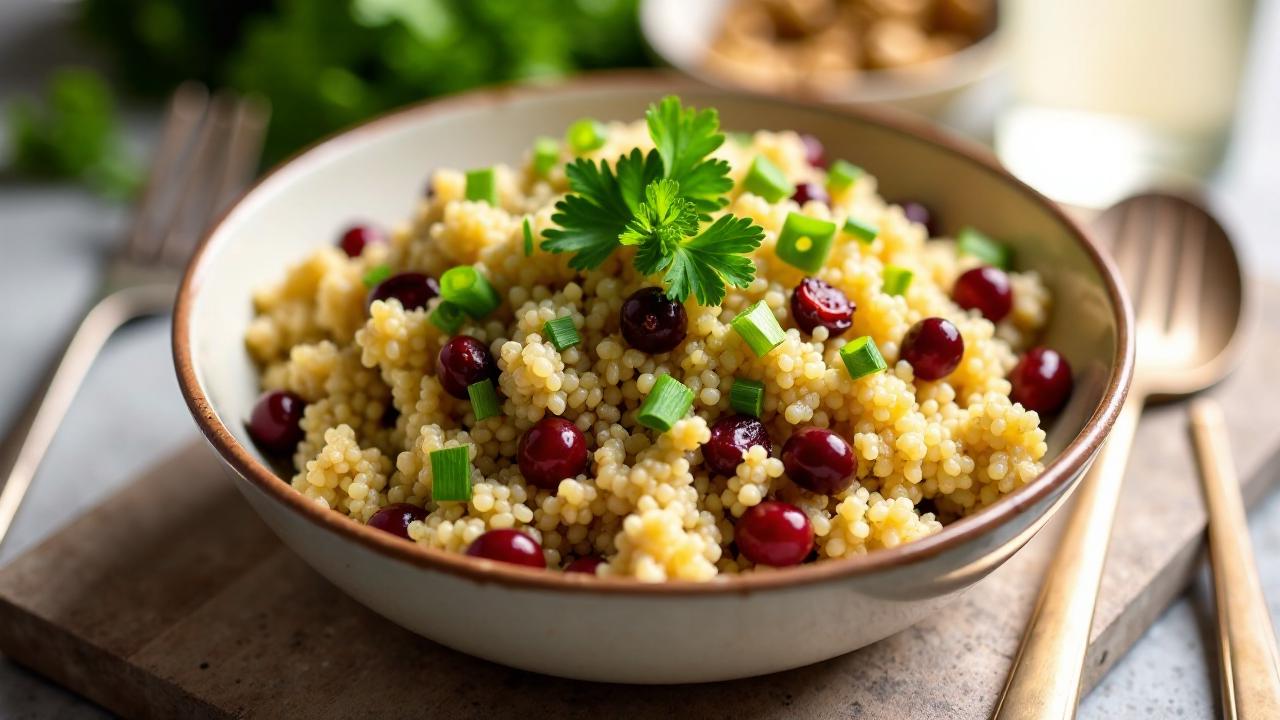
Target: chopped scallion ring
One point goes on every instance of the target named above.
(666, 403)
(805, 241)
(562, 333)
(451, 474)
(861, 357)
(586, 135)
(448, 317)
(759, 328)
(747, 396)
(546, 153)
(376, 274)
(842, 175)
(990, 252)
(767, 180)
(482, 186)
(465, 287)
(864, 232)
(897, 279)
(484, 399)
(528, 238)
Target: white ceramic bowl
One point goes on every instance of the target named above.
(617, 629)
(681, 32)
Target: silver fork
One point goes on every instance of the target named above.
(207, 153)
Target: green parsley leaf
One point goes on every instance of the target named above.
(703, 265)
(601, 206)
(684, 137)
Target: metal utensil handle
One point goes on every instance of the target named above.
(1045, 681)
(27, 442)
(1247, 641)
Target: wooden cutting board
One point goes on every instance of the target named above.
(173, 600)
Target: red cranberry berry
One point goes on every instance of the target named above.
(934, 347)
(653, 322)
(731, 436)
(774, 533)
(550, 451)
(987, 289)
(586, 564)
(464, 361)
(357, 237)
(815, 153)
(919, 213)
(818, 460)
(807, 191)
(273, 424)
(509, 546)
(1042, 381)
(412, 289)
(395, 518)
(815, 303)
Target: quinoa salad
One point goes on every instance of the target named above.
(657, 350)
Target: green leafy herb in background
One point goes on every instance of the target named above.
(71, 134)
(656, 201)
(327, 64)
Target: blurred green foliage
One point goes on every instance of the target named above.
(72, 134)
(325, 64)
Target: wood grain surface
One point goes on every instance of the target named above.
(172, 599)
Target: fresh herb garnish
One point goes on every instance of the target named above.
(658, 201)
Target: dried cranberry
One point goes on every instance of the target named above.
(509, 546)
(731, 436)
(1042, 381)
(464, 361)
(274, 422)
(550, 451)
(395, 518)
(653, 322)
(818, 460)
(774, 533)
(934, 348)
(815, 303)
(987, 289)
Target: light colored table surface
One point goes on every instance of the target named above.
(129, 414)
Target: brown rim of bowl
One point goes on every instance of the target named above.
(1059, 471)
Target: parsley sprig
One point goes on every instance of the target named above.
(658, 201)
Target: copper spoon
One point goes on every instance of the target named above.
(1187, 286)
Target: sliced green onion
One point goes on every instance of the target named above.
(843, 174)
(482, 186)
(805, 241)
(747, 396)
(990, 252)
(861, 357)
(465, 287)
(767, 180)
(865, 232)
(759, 328)
(562, 333)
(586, 135)
(448, 317)
(451, 474)
(376, 274)
(528, 238)
(546, 153)
(666, 403)
(484, 399)
(897, 279)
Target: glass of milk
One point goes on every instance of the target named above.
(1110, 96)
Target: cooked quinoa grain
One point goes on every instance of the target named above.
(647, 503)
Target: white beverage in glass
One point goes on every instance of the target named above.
(1114, 95)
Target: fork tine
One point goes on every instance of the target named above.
(192, 207)
(182, 120)
(1153, 307)
(248, 130)
(1185, 315)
